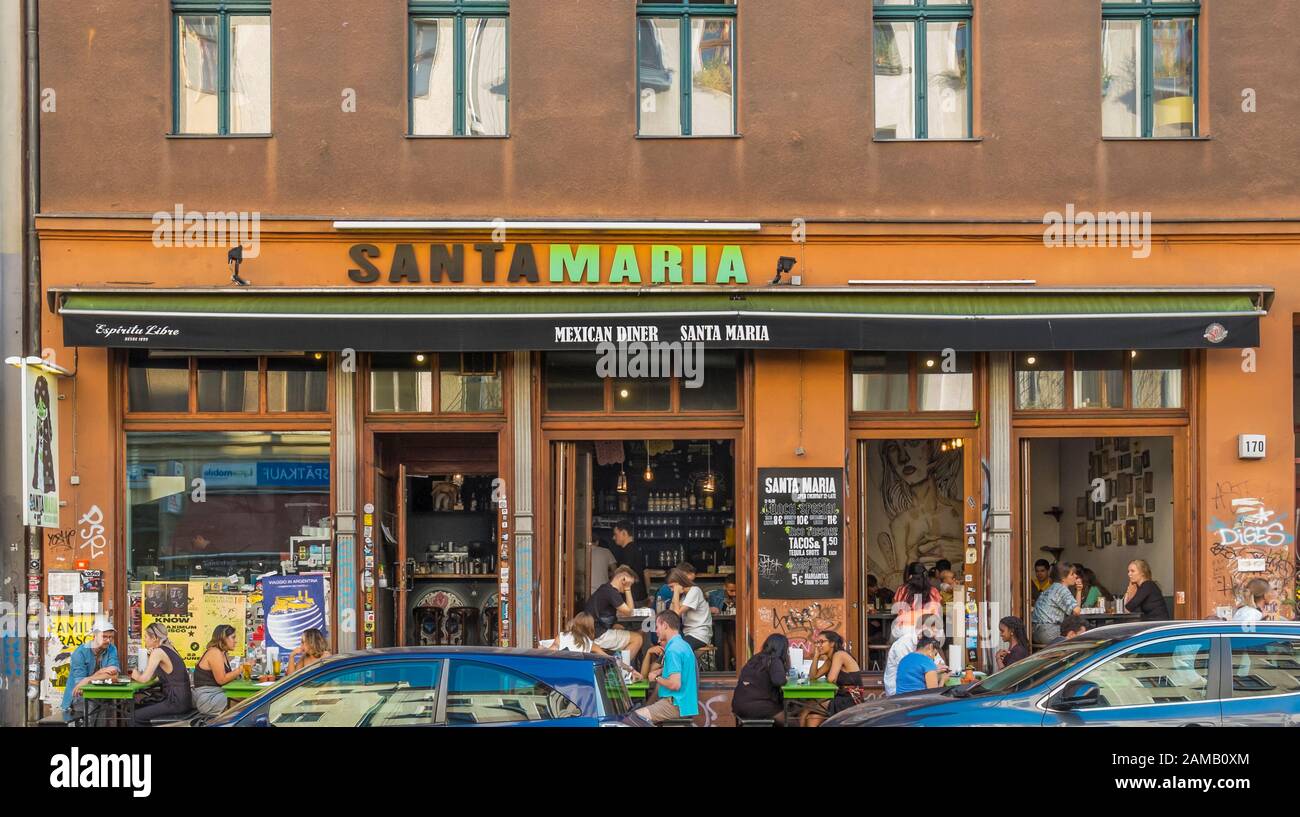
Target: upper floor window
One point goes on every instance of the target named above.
(684, 38)
(459, 68)
(1148, 68)
(221, 67)
(1139, 379)
(922, 64)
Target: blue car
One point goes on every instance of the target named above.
(1151, 674)
(444, 686)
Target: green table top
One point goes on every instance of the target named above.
(818, 690)
(240, 689)
(113, 692)
(638, 689)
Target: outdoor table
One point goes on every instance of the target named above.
(955, 681)
(805, 696)
(637, 690)
(120, 699)
(1102, 619)
(240, 689)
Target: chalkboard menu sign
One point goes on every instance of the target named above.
(800, 533)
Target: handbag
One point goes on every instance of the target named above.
(150, 696)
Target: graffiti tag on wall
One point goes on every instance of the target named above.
(1253, 544)
(92, 532)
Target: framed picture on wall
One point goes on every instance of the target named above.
(1099, 443)
(1146, 459)
(1097, 510)
(1131, 532)
(1111, 464)
(1121, 444)
(1125, 486)
(1125, 462)
(1138, 490)
(1105, 539)
(1149, 482)
(1148, 529)
(1111, 488)
(1081, 506)
(1151, 504)
(1081, 535)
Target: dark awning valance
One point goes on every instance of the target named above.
(501, 319)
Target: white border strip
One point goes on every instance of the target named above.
(542, 226)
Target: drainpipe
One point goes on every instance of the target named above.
(33, 142)
(32, 332)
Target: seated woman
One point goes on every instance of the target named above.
(917, 605)
(1144, 596)
(580, 637)
(1012, 630)
(834, 663)
(689, 603)
(758, 689)
(311, 649)
(213, 672)
(1087, 593)
(918, 670)
(172, 697)
(1257, 594)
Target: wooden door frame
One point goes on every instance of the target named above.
(679, 428)
(369, 470)
(854, 561)
(1186, 564)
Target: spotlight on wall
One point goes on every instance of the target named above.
(234, 258)
(783, 265)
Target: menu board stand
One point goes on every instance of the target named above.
(800, 533)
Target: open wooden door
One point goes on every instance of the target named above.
(405, 578)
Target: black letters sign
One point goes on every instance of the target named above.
(800, 533)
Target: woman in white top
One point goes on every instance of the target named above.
(1256, 594)
(581, 636)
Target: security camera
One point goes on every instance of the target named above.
(783, 265)
(234, 258)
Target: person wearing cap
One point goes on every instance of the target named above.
(94, 660)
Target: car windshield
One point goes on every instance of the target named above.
(1032, 671)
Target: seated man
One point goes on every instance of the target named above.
(724, 600)
(94, 660)
(676, 679)
(1071, 626)
(611, 600)
(688, 603)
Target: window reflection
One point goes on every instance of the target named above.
(227, 384)
(711, 77)
(250, 74)
(895, 96)
(469, 382)
(1121, 90)
(158, 382)
(401, 382)
(948, 77)
(1173, 60)
(432, 83)
(1040, 380)
(880, 381)
(485, 76)
(1098, 380)
(945, 382)
(1157, 379)
(199, 67)
(658, 75)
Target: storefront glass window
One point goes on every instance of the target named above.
(401, 382)
(1157, 379)
(297, 383)
(944, 382)
(1098, 380)
(262, 493)
(717, 389)
(157, 382)
(227, 384)
(1040, 380)
(880, 381)
(468, 382)
(572, 383)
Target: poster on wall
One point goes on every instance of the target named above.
(224, 608)
(291, 605)
(178, 606)
(800, 533)
(41, 448)
(67, 632)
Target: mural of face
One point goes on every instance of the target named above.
(911, 460)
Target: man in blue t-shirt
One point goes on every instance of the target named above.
(918, 671)
(94, 660)
(676, 679)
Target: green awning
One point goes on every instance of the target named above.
(557, 318)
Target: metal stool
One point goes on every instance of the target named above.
(705, 658)
(742, 722)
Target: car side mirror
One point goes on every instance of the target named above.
(1078, 695)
